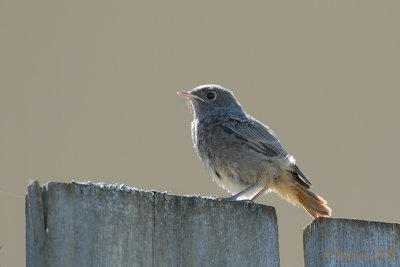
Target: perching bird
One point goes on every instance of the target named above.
(243, 155)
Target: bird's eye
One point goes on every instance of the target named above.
(211, 95)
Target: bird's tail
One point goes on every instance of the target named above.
(298, 194)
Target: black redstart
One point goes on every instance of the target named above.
(243, 155)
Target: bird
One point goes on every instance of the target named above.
(243, 155)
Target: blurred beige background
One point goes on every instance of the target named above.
(87, 92)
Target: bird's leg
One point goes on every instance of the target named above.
(250, 192)
(262, 191)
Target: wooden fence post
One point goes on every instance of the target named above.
(346, 242)
(109, 225)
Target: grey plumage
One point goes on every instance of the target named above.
(243, 155)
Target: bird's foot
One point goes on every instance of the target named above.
(236, 197)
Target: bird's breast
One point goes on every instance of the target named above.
(230, 161)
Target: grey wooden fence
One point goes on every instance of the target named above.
(346, 242)
(99, 225)
(110, 225)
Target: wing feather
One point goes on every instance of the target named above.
(258, 136)
(263, 140)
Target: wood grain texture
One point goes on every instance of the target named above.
(349, 242)
(111, 225)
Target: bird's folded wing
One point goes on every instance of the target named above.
(263, 140)
(258, 136)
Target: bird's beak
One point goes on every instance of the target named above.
(189, 96)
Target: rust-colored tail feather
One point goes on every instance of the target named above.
(315, 205)
(298, 194)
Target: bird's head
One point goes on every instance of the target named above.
(211, 99)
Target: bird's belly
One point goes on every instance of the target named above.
(232, 163)
(237, 176)
(230, 185)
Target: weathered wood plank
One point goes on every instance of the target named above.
(347, 242)
(100, 225)
(35, 225)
